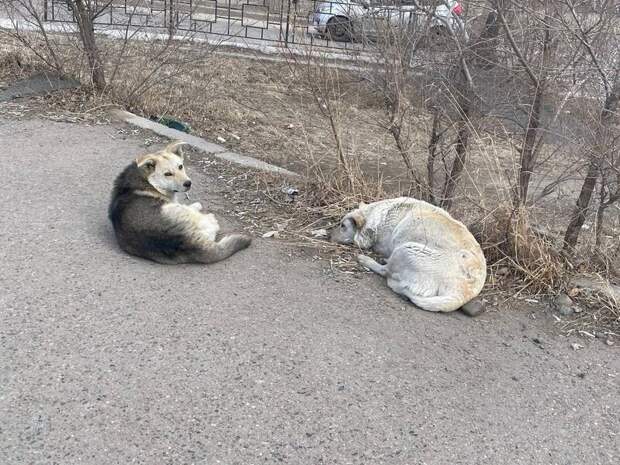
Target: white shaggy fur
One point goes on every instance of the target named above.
(432, 259)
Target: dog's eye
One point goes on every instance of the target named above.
(180, 167)
(342, 226)
(167, 173)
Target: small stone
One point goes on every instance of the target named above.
(564, 305)
(220, 139)
(586, 333)
(503, 271)
(319, 233)
(576, 346)
(473, 308)
(609, 342)
(292, 191)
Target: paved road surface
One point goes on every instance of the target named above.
(262, 359)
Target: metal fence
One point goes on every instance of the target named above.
(282, 22)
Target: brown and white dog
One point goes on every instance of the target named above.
(432, 259)
(149, 221)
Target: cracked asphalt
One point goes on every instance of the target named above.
(261, 359)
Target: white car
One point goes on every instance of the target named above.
(345, 20)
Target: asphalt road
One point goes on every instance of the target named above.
(261, 359)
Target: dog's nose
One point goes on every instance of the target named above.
(187, 184)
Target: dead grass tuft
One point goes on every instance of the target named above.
(513, 247)
(15, 64)
(599, 315)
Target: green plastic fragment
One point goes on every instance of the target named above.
(172, 123)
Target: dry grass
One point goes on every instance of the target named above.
(269, 110)
(512, 245)
(599, 315)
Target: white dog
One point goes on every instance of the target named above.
(432, 259)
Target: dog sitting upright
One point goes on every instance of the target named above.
(432, 259)
(150, 223)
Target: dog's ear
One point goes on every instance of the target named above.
(358, 219)
(362, 205)
(146, 162)
(175, 147)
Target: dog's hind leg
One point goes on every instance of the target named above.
(372, 265)
(209, 226)
(414, 271)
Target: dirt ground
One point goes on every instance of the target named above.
(272, 356)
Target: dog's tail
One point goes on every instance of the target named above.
(212, 252)
(437, 303)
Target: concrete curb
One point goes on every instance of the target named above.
(216, 150)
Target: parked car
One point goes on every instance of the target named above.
(345, 20)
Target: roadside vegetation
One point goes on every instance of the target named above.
(516, 132)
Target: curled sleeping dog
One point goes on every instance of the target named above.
(150, 223)
(432, 259)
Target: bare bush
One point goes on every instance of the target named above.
(30, 14)
(131, 67)
(524, 77)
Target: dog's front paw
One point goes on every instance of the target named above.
(364, 260)
(210, 217)
(196, 206)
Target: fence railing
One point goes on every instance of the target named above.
(278, 21)
(336, 24)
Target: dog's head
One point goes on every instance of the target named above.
(350, 225)
(164, 170)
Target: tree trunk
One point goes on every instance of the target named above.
(578, 217)
(580, 212)
(530, 145)
(462, 142)
(528, 152)
(538, 74)
(87, 33)
(466, 95)
(395, 130)
(432, 155)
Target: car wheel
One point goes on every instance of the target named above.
(339, 28)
